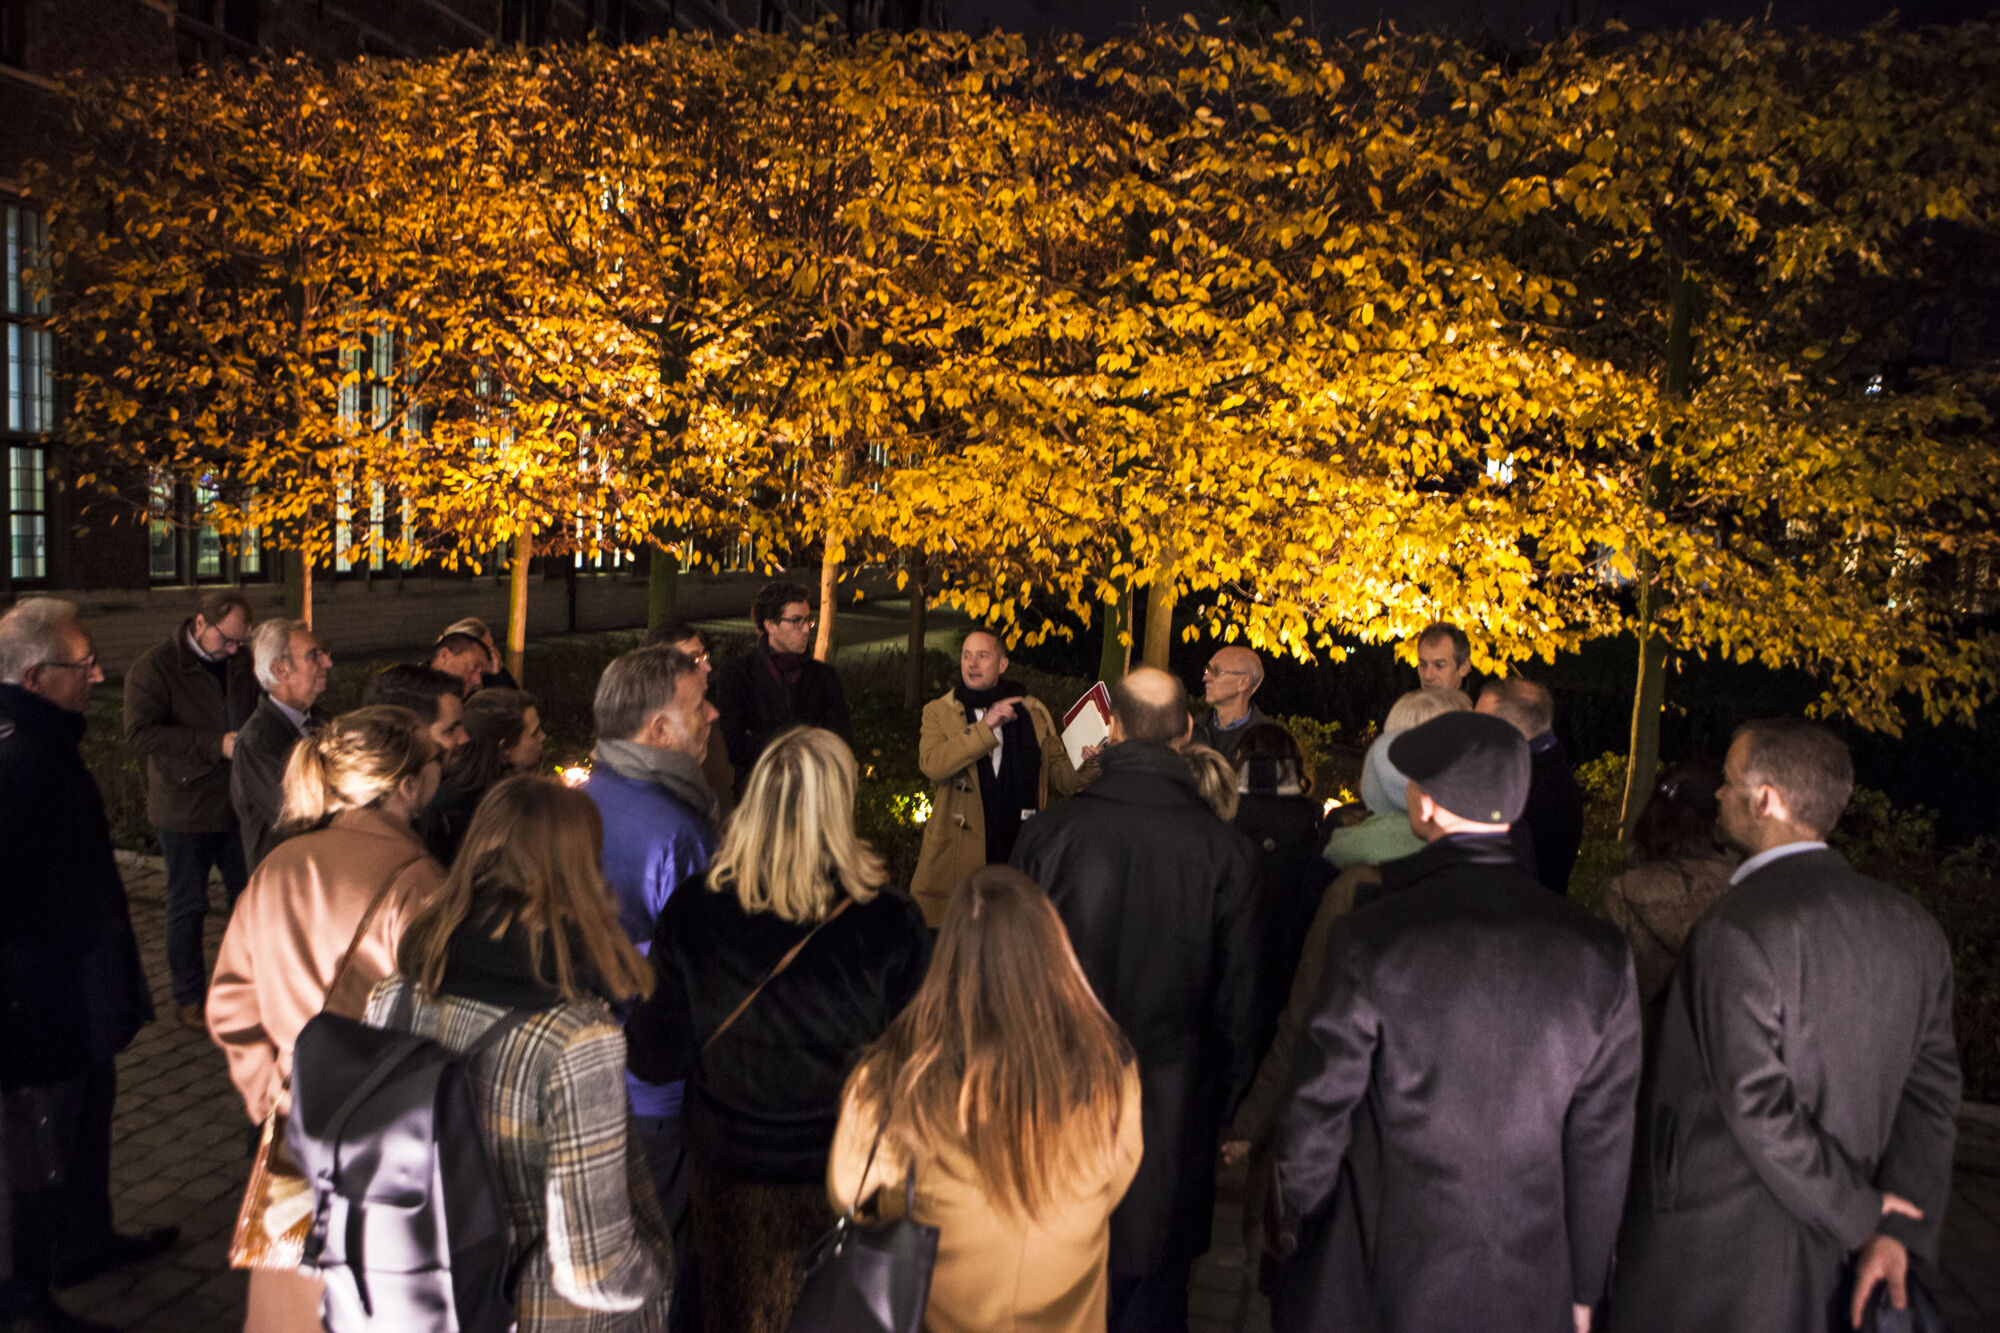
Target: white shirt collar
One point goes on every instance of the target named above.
(292, 715)
(1770, 854)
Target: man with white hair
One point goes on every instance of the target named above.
(292, 667)
(72, 991)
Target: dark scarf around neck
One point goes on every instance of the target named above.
(1018, 784)
(503, 971)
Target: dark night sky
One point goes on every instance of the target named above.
(1510, 18)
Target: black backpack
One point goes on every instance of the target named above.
(409, 1217)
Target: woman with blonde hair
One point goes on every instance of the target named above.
(771, 969)
(524, 923)
(317, 925)
(1014, 1098)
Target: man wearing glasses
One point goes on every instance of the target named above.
(1230, 678)
(184, 701)
(777, 685)
(715, 767)
(72, 990)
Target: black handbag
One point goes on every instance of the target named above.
(869, 1277)
(1920, 1316)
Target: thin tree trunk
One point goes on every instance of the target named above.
(299, 570)
(663, 586)
(913, 669)
(829, 576)
(1115, 655)
(1160, 614)
(1649, 692)
(517, 604)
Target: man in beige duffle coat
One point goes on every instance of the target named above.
(996, 755)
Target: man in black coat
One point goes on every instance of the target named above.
(292, 667)
(1155, 892)
(185, 701)
(1455, 1152)
(72, 991)
(1554, 813)
(1801, 1111)
(777, 685)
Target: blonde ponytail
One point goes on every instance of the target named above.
(351, 763)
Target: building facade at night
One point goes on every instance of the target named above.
(136, 566)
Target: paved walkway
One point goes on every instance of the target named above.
(178, 1158)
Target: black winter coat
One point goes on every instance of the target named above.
(1458, 1141)
(1554, 816)
(175, 717)
(1155, 892)
(257, 777)
(1287, 886)
(72, 991)
(755, 705)
(762, 1105)
(1806, 1066)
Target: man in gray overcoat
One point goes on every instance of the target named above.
(1801, 1112)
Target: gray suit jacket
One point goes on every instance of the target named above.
(1806, 1066)
(257, 777)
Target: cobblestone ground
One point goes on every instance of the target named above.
(178, 1158)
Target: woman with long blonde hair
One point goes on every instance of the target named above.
(297, 941)
(1014, 1098)
(770, 971)
(524, 922)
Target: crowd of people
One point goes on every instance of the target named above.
(702, 1022)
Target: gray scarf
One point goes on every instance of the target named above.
(668, 768)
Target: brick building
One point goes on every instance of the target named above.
(138, 573)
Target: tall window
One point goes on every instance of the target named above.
(14, 33)
(367, 404)
(31, 398)
(182, 548)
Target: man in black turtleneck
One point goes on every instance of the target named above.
(996, 756)
(1464, 1086)
(777, 685)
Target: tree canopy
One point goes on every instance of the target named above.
(1618, 334)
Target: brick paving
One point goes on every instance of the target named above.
(178, 1157)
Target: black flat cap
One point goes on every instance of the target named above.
(1473, 764)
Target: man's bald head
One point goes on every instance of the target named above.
(1525, 703)
(1240, 663)
(1150, 705)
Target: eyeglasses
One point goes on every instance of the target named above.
(795, 620)
(699, 659)
(229, 640)
(88, 663)
(1208, 671)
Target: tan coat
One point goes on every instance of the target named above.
(290, 931)
(955, 833)
(998, 1273)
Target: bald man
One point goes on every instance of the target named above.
(1227, 682)
(1554, 814)
(1155, 892)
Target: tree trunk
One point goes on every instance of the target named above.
(517, 604)
(1115, 656)
(913, 667)
(299, 586)
(1649, 691)
(663, 586)
(1160, 615)
(829, 576)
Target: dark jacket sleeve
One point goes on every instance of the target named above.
(150, 728)
(256, 785)
(1237, 990)
(1597, 1144)
(1917, 1162)
(735, 706)
(659, 1041)
(837, 719)
(1335, 1057)
(1738, 1030)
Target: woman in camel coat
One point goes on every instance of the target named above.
(1014, 1098)
(356, 784)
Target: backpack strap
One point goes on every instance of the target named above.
(772, 975)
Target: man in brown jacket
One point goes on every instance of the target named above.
(184, 700)
(995, 754)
